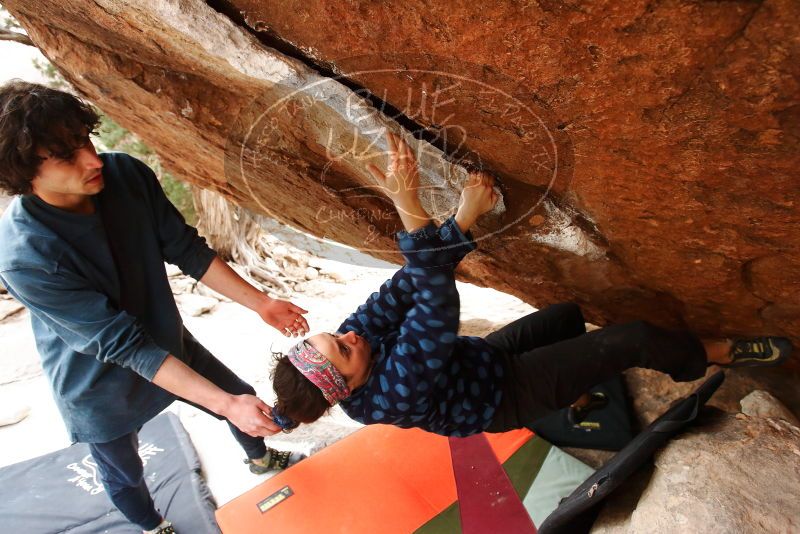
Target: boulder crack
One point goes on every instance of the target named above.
(269, 38)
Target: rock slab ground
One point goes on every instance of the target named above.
(731, 474)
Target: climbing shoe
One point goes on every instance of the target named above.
(577, 414)
(164, 528)
(759, 351)
(273, 460)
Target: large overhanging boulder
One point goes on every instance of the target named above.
(647, 153)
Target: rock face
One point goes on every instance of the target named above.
(647, 153)
(762, 404)
(737, 474)
(653, 392)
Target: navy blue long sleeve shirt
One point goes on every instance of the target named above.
(425, 375)
(101, 308)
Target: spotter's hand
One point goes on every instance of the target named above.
(285, 317)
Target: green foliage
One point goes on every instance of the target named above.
(54, 78)
(7, 22)
(181, 196)
(112, 136)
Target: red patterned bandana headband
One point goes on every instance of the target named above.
(320, 371)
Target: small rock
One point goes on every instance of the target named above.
(279, 251)
(9, 307)
(272, 265)
(294, 272)
(762, 404)
(316, 262)
(10, 415)
(173, 270)
(298, 259)
(205, 291)
(336, 277)
(195, 305)
(182, 284)
(311, 273)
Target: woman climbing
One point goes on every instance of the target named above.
(399, 360)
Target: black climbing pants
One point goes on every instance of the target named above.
(551, 360)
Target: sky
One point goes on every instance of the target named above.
(16, 61)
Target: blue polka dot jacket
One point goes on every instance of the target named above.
(425, 375)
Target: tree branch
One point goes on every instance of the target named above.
(6, 35)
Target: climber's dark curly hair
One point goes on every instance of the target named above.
(34, 116)
(297, 397)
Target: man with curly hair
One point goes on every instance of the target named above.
(83, 246)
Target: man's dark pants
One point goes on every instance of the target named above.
(121, 467)
(551, 360)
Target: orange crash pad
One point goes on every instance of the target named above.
(379, 479)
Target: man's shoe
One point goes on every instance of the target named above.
(759, 351)
(577, 414)
(274, 460)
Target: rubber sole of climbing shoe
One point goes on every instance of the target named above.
(759, 352)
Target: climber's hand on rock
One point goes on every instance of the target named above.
(401, 180)
(401, 183)
(477, 198)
